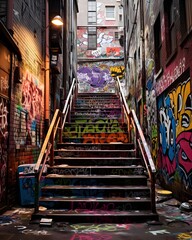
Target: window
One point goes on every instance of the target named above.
(92, 12)
(120, 17)
(92, 38)
(110, 12)
(116, 36)
(169, 10)
(3, 10)
(185, 16)
(158, 44)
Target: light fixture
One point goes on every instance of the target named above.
(57, 20)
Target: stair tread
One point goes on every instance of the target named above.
(96, 199)
(94, 150)
(94, 176)
(85, 212)
(131, 187)
(98, 158)
(99, 167)
(95, 123)
(96, 144)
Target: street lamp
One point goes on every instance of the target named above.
(57, 20)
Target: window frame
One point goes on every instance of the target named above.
(185, 10)
(158, 44)
(92, 45)
(106, 13)
(170, 28)
(92, 12)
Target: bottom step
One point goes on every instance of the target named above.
(85, 216)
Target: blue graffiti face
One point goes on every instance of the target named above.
(167, 129)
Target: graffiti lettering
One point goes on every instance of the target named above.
(105, 137)
(175, 111)
(170, 77)
(3, 146)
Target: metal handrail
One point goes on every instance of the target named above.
(142, 144)
(47, 150)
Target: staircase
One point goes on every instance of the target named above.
(96, 176)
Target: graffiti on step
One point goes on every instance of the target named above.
(122, 162)
(94, 228)
(3, 146)
(93, 103)
(88, 207)
(99, 113)
(105, 137)
(90, 170)
(91, 236)
(82, 127)
(120, 171)
(72, 171)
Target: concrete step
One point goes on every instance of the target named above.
(98, 216)
(95, 161)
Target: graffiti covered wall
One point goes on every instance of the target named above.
(98, 76)
(28, 116)
(175, 129)
(107, 45)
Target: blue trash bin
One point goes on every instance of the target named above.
(26, 175)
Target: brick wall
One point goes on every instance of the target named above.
(27, 97)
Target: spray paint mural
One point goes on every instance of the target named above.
(108, 35)
(175, 128)
(107, 45)
(29, 112)
(99, 77)
(3, 147)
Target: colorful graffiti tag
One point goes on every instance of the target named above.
(29, 112)
(98, 77)
(175, 115)
(3, 146)
(107, 45)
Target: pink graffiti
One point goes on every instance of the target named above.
(184, 144)
(91, 236)
(165, 164)
(32, 97)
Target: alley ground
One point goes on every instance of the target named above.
(173, 224)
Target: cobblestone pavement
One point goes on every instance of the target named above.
(173, 224)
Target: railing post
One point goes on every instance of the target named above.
(153, 197)
(52, 149)
(36, 197)
(60, 129)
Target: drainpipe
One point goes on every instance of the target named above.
(47, 70)
(143, 67)
(71, 44)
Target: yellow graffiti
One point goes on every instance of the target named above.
(184, 236)
(181, 102)
(117, 71)
(154, 150)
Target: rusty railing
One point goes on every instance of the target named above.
(140, 143)
(47, 149)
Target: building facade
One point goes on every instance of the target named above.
(33, 78)
(159, 67)
(99, 47)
